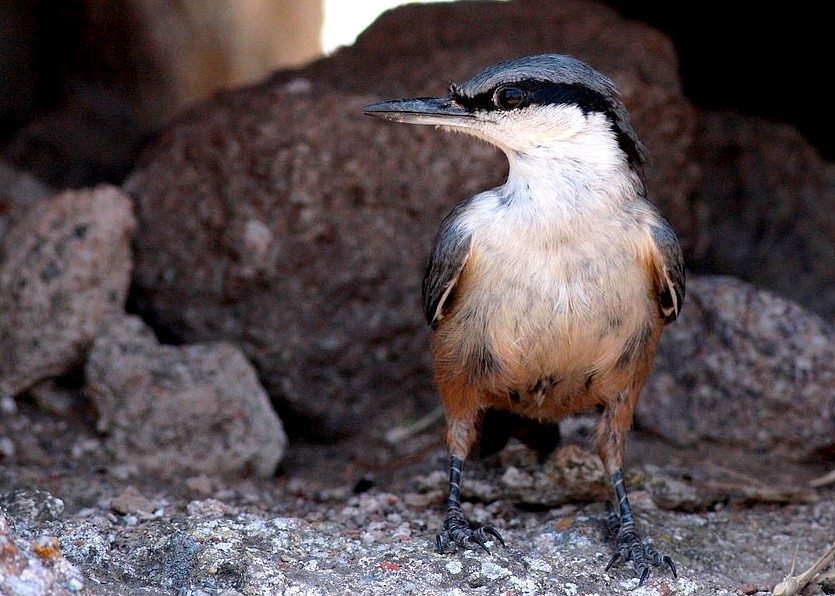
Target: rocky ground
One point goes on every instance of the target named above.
(360, 518)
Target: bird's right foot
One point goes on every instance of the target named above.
(458, 531)
(630, 547)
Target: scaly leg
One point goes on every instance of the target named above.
(457, 529)
(628, 544)
(612, 430)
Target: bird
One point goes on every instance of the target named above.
(547, 295)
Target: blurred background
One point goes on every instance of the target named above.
(84, 83)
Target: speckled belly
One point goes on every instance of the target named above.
(541, 327)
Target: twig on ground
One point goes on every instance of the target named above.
(405, 431)
(793, 584)
(763, 494)
(823, 480)
(743, 486)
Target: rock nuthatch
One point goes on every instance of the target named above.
(547, 295)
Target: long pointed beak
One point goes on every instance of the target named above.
(441, 111)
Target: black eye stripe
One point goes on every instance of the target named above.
(485, 101)
(581, 96)
(539, 93)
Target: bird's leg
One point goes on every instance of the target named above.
(628, 544)
(457, 529)
(612, 430)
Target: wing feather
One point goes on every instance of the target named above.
(670, 275)
(449, 254)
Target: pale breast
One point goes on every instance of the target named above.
(529, 307)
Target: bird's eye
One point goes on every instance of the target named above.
(508, 98)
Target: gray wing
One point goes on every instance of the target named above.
(447, 259)
(670, 274)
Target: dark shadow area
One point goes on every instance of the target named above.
(763, 60)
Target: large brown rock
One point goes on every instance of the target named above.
(278, 217)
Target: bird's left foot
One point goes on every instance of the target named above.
(630, 547)
(457, 530)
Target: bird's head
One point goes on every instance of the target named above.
(540, 106)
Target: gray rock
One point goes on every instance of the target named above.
(30, 506)
(745, 367)
(132, 502)
(30, 567)
(279, 218)
(66, 270)
(180, 410)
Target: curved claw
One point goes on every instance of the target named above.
(457, 530)
(630, 547)
(492, 532)
(441, 542)
(462, 537)
(479, 540)
(498, 536)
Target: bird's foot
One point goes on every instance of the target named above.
(458, 531)
(630, 547)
